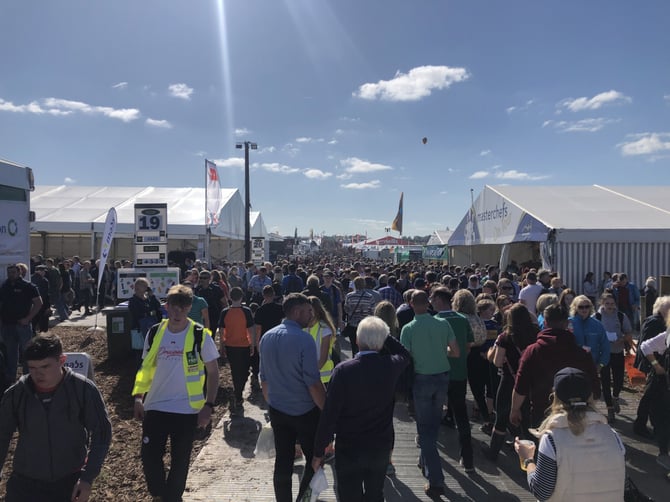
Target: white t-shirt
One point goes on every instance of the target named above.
(529, 295)
(168, 388)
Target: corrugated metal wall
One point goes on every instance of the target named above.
(637, 259)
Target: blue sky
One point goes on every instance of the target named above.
(338, 95)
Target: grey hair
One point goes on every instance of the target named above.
(371, 333)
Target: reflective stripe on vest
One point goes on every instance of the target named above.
(194, 368)
(327, 369)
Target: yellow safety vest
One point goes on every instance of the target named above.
(327, 369)
(194, 367)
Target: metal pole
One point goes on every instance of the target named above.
(247, 206)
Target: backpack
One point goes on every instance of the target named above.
(198, 331)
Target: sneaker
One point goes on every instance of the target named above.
(664, 461)
(390, 469)
(622, 401)
(433, 491)
(328, 456)
(467, 467)
(617, 405)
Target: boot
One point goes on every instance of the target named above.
(491, 450)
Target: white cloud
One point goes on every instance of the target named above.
(362, 186)
(354, 165)
(163, 124)
(267, 149)
(229, 162)
(120, 85)
(333, 142)
(32, 107)
(513, 174)
(525, 106)
(275, 167)
(584, 125)
(291, 149)
(69, 181)
(477, 175)
(484, 153)
(344, 176)
(596, 102)
(242, 131)
(418, 83)
(649, 143)
(339, 132)
(181, 91)
(317, 174)
(56, 106)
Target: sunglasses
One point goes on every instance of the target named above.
(583, 307)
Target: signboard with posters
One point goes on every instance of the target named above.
(258, 250)
(160, 280)
(151, 235)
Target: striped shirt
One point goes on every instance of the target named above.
(358, 305)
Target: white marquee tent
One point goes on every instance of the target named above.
(570, 229)
(70, 219)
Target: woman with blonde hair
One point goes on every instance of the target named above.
(580, 457)
(543, 301)
(386, 312)
(323, 331)
(478, 365)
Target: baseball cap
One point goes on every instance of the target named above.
(572, 386)
(327, 273)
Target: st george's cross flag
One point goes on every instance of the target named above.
(213, 194)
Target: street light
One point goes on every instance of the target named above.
(247, 200)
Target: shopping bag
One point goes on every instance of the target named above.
(318, 484)
(136, 339)
(265, 444)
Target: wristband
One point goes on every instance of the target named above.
(528, 461)
(138, 400)
(210, 404)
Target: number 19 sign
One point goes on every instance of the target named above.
(150, 223)
(151, 235)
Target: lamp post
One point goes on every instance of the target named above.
(247, 199)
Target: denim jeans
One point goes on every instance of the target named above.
(15, 336)
(361, 473)
(287, 429)
(430, 393)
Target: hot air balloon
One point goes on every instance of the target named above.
(424, 140)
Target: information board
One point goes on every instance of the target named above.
(160, 280)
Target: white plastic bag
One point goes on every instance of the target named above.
(265, 444)
(318, 484)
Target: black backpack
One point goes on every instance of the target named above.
(198, 331)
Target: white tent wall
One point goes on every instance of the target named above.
(591, 228)
(638, 260)
(69, 220)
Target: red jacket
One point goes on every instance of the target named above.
(553, 350)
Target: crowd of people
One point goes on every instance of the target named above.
(524, 343)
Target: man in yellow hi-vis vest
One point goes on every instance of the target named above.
(169, 396)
